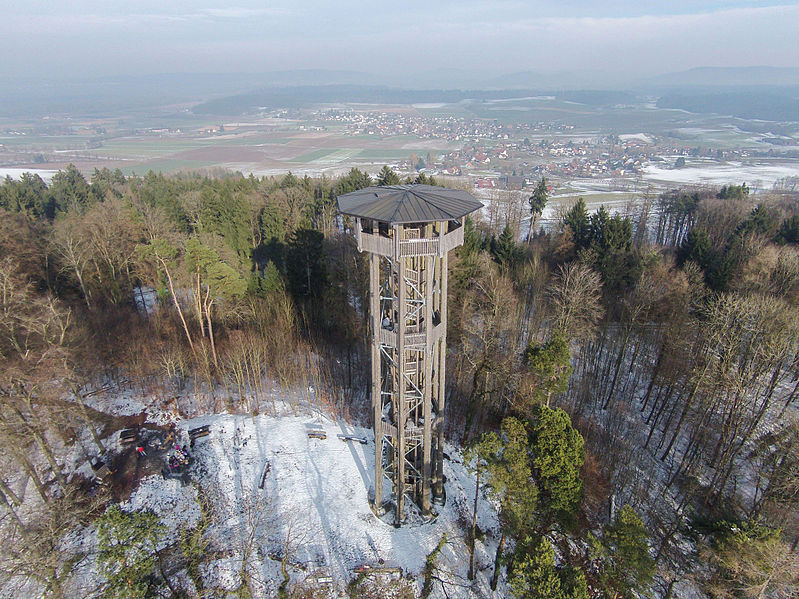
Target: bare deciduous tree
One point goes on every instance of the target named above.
(575, 296)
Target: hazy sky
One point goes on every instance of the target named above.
(83, 37)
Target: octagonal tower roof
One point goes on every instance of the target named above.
(408, 203)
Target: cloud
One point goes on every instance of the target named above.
(405, 37)
(48, 22)
(244, 13)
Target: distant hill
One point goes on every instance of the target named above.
(570, 80)
(299, 96)
(596, 97)
(729, 76)
(104, 95)
(307, 95)
(111, 94)
(237, 93)
(769, 104)
(318, 77)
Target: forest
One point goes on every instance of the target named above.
(624, 386)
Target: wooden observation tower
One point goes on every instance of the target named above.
(408, 231)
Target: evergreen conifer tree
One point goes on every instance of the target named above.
(128, 546)
(557, 455)
(387, 177)
(623, 551)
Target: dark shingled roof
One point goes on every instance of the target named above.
(408, 203)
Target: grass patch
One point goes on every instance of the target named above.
(315, 155)
(165, 166)
(380, 154)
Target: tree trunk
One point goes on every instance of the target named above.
(89, 423)
(8, 492)
(474, 524)
(83, 287)
(617, 367)
(198, 294)
(177, 304)
(655, 374)
(793, 395)
(10, 509)
(208, 305)
(662, 407)
(686, 408)
(42, 443)
(495, 576)
(31, 471)
(530, 230)
(50, 457)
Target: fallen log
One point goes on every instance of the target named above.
(361, 440)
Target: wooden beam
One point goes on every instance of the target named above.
(377, 400)
(427, 381)
(399, 485)
(438, 488)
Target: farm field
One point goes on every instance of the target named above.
(305, 142)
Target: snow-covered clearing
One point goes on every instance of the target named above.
(275, 493)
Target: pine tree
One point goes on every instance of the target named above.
(537, 201)
(609, 233)
(789, 230)
(128, 552)
(352, 181)
(534, 574)
(623, 551)
(387, 177)
(69, 190)
(509, 481)
(577, 220)
(557, 455)
(504, 249)
(573, 583)
(549, 365)
(733, 192)
(697, 247)
(305, 265)
(473, 241)
(476, 458)
(422, 179)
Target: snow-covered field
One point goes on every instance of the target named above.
(636, 136)
(16, 173)
(764, 175)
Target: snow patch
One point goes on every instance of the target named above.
(722, 174)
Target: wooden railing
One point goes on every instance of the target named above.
(415, 339)
(376, 244)
(388, 429)
(418, 247)
(384, 246)
(389, 338)
(452, 240)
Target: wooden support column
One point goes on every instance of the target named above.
(400, 408)
(428, 382)
(441, 349)
(377, 399)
